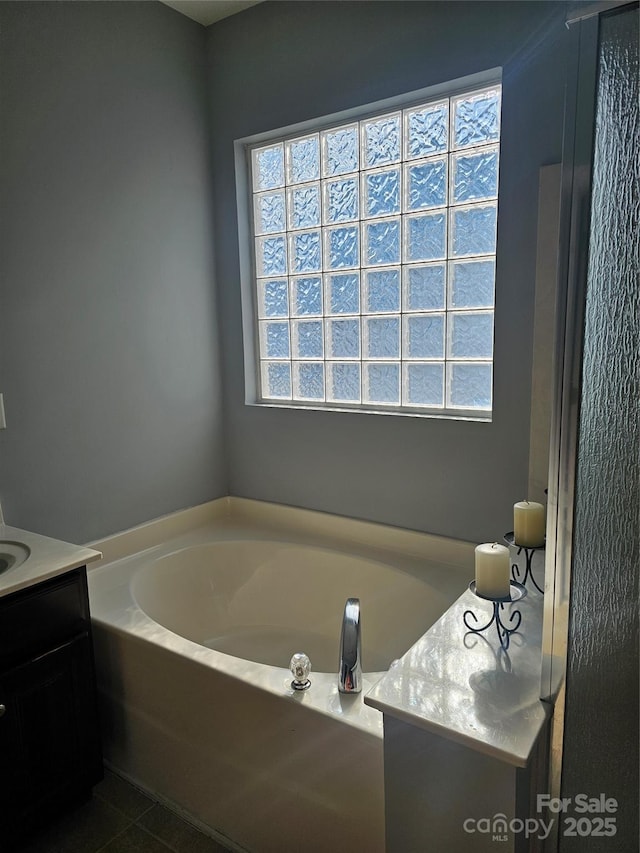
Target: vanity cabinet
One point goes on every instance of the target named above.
(50, 749)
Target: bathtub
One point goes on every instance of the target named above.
(195, 620)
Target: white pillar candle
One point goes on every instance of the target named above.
(528, 524)
(493, 569)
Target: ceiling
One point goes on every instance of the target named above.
(208, 11)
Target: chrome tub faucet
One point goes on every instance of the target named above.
(350, 664)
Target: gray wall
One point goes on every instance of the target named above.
(282, 63)
(108, 345)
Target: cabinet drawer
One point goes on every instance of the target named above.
(35, 619)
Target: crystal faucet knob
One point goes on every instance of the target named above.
(300, 667)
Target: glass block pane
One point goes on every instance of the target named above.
(276, 379)
(340, 150)
(308, 381)
(469, 386)
(423, 385)
(382, 337)
(343, 293)
(303, 159)
(472, 284)
(382, 242)
(304, 206)
(471, 335)
(473, 230)
(274, 339)
(477, 118)
(343, 338)
(271, 256)
(306, 296)
(307, 338)
(305, 251)
(427, 130)
(382, 192)
(381, 383)
(343, 382)
(424, 336)
(341, 200)
(342, 247)
(273, 298)
(426, 184)
(426, 237)
(269, 213)
(475, 175)
(268, 167)
(382, 291)
(424, 287)
(381, 141)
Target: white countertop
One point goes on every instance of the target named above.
(48, 558)
(460, 685)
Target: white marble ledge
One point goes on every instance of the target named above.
(48, 558)
(462, 687)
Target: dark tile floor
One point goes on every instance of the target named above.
(121, 819)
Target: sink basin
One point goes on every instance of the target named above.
(12, 554)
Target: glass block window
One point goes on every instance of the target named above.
(374, 247)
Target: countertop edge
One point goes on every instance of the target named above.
(476, 744)
(48, 558)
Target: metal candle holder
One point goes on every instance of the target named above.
(529, 550)
(504, 629)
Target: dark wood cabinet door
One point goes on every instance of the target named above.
(49, 745)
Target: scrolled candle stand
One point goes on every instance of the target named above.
(529, 551)
(504, 629)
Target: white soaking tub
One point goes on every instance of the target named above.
(196, 618)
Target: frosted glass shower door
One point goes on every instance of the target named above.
(600, 735)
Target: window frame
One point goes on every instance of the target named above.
(243, 149)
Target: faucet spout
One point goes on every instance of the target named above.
(350, 666)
